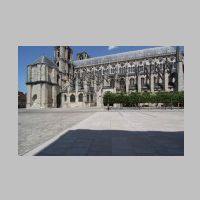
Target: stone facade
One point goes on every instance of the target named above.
(82, 83)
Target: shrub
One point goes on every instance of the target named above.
(133, 99)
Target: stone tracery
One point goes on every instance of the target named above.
(88, 79)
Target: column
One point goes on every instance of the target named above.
(84, 97)
(44, 95)
(43, 73)
(68, 96)
(95, 86)
(76, 89)
(152, 83)
(115, 88)
(165, 81)
(139, 83)
(85, 86)
(62, 100)
(29, 96)
(104, 81)
(179, 66)
(53, 78)
(180, 76)
(69, 87)
(39, 72)
(99, 98)
(54, 96)
(89, 98)
(60, 79)
(127, 84)
(95, 91)
(85, 92)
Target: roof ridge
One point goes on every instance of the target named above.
(127, 55)
(123, 53)
(43, 59)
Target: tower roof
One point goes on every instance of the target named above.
(44, 60)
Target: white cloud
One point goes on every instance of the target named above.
(112, 47)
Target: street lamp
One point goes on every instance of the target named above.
(108, 103)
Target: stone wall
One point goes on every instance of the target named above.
(159, 73)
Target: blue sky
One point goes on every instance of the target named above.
(28, 54)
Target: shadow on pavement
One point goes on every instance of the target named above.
(84, 142)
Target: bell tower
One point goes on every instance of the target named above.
(63, 58)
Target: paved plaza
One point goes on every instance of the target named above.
(74, 132)
(38, 126)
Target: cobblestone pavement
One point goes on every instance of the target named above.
(37, 126)
(120, 133)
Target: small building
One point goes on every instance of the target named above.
(21, 100)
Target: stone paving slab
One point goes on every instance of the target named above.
(122, 134)
(38, 126)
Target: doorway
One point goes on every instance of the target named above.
(58, 100)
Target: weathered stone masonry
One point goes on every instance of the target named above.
(82, 83)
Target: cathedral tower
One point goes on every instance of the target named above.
(63, 58)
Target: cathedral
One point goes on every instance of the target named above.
(67, 83)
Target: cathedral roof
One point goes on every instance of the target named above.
(44, 60)
(145, 53)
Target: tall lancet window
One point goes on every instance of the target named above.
(132, 82)
(142, 82)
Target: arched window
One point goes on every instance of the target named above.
(65, 97)
(91, 97)
(72, 98)
(58, 78)
(34, 97)
(80, 97)
(160, 80)
(88, 98)
(112, 83)
(132, 82)
(122, 84)
(142, 82)
(155, 80)
(81, 84)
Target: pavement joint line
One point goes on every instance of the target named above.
(50, 141)
(128, 121)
